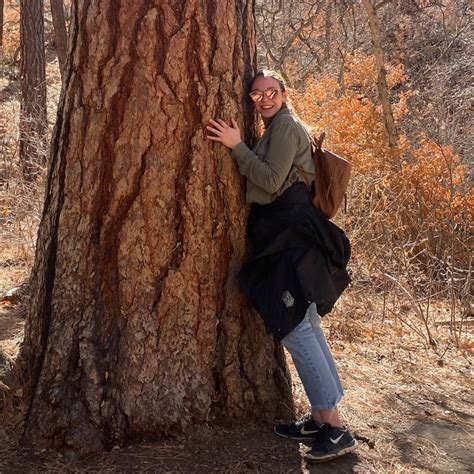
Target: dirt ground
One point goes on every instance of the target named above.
(409, 405)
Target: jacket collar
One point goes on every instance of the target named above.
(285, 110)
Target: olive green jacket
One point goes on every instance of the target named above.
(272, 166)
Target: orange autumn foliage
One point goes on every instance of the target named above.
(11, 29)
(433, 179)
(420, 186)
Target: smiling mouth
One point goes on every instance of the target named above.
(267, 107)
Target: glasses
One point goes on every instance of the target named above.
(257, 95)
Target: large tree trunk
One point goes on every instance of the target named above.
(33, 124)
(60, 32)
(137, 327)
(382, 86)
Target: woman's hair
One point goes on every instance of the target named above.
(267, 73)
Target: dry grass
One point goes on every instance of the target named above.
(408, 396)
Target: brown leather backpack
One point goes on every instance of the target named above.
(332, 177)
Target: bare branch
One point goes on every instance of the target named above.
(382, 4)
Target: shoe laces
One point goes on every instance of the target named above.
(304, 420)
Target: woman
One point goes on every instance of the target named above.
(298, 267)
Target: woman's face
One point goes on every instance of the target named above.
(267, 106)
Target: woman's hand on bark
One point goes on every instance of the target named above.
(228, 135)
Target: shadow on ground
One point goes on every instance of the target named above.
(450, 436)
(255, 449)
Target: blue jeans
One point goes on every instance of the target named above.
(314, 362)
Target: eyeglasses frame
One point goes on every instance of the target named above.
(273, 92)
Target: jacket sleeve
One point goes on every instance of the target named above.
(271, 172)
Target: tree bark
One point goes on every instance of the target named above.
(382, 86)
(2, 8)
(328, 27)
(137, 328)
(33, 124)
(60, 32)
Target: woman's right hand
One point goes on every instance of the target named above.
(228, 135)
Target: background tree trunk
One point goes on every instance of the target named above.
(2, 5)
(382, 86)
(60, 32)
(328, 35)
(33, 124)
(137, 327)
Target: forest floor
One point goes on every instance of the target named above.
(409, 404)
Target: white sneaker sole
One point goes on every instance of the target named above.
(330, 456)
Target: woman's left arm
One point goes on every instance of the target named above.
(269, 173)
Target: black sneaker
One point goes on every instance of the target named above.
(306, 428)
(331, 443)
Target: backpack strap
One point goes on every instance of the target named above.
(314, 146)
(319, 142)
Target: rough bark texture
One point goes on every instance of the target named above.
(382, 86)
(137, 327)
(60, 32)
(2, 5)
(33, 88)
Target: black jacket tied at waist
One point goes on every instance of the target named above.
(299, 257)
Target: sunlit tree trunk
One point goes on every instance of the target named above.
(382, 86)
(60, 32)
(137, 328)
(33, 123)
